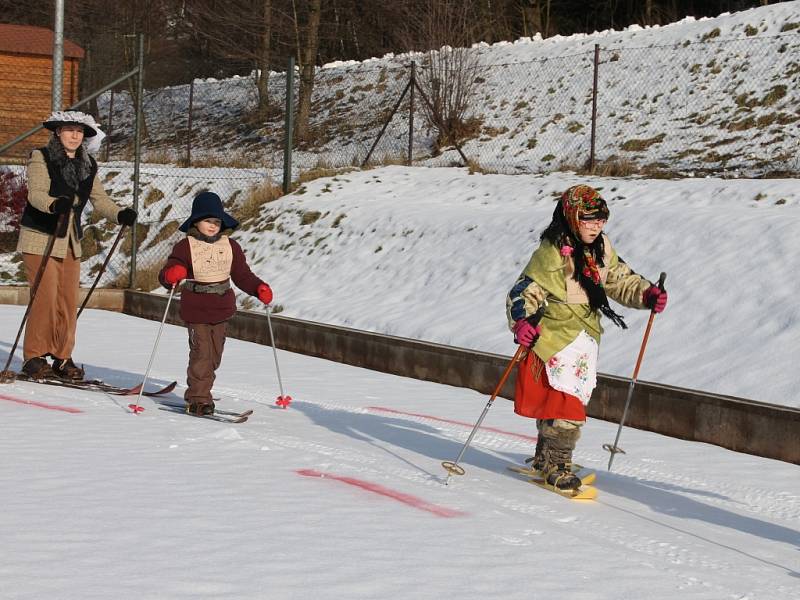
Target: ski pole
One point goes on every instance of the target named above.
(453, 468)
(7, 376)
(614, 449)
(102, 270)
(283, 400)
(136, 408)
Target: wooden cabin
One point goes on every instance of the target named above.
(26, 79)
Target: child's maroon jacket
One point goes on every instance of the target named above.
(211, 308)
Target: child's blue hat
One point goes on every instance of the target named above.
(208, 204)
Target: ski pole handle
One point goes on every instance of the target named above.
(661, 279)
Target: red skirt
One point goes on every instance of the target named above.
(535, 398)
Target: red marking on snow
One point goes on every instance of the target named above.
(439, 511)
(531, 438)
(136, 408)
(66, 409)
(284, 401)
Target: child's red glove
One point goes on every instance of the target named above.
(264, 293)
(175, 274)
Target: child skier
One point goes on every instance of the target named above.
(208, 259)
(554, 309)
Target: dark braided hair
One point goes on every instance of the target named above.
(559, 234)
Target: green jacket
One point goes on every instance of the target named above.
(547, 279)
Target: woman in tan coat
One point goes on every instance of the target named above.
(62, 178)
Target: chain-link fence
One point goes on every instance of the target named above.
(710, 107)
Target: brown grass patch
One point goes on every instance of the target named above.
(258, 196)
(153, 195)
(167, 231)
(637, 145)
(142, 229)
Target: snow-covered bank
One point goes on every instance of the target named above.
(102, 502)
(431, 253)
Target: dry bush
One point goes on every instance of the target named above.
(233, 160)
(449, 74)
(161, 156)
(321, 169)
(613, 167)
(258, 196)
(146, 279)
(448, 79)
(386, 159)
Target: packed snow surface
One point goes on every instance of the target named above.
(343, 496)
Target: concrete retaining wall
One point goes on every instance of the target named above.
(735, 423)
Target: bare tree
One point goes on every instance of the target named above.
(307, 70)
(264, 61)
(449, 73)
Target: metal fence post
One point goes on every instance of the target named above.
(58, 57)
(594, 107)
(189, 126)
(288, 127)
(110, 124)
(411, 115)
(137, 154)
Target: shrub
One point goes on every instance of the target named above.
(13, 196)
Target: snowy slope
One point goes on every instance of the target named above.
(101, 503)
(431, 254)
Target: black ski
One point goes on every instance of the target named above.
(217, 411)
(217, 416)
(96, 385)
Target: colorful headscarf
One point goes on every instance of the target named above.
(578, 201)
(584, 201)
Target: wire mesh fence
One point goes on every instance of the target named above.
(708, 107)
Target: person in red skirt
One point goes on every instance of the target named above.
(554, 309)
(209, 260)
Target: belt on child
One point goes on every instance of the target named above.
(209, 288)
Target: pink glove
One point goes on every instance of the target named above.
(264, 293)
(525, 333)
(175, 274)
(655, 298)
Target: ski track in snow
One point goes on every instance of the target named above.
(645, 551)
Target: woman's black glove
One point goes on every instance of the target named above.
(61, 205)
(127, 216)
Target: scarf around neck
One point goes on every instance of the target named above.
(73, 170)
(577, 201)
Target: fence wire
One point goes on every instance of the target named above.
(710, 107)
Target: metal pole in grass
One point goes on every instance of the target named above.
(453, 468)
(283, 400)
(288, 126)
(613, 448)
(137, 153)
(411, 114)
